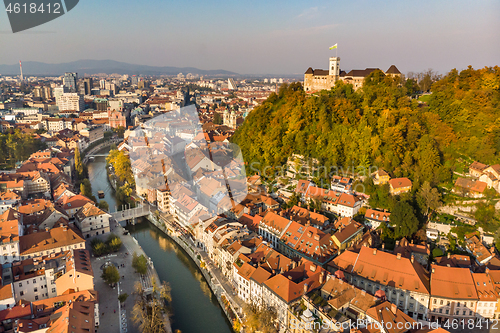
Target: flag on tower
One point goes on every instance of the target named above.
(333, 47)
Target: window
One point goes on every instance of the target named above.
(464, 313)
(435, 301)
(447, 311)
(36, 289)
(458, 304)
(21, 293)
(470, 313)
(34, 280)
(53, 290)
(441, 302)
(20, 284)
(36, 298)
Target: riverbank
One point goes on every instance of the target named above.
(220, 287)
(108, 296)
(113, 314)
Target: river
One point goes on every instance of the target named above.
(195, 309)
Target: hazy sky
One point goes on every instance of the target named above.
(257, 37)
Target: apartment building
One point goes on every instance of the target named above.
(92, 221)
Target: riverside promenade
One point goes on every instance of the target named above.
(113, 316)
(225, 293)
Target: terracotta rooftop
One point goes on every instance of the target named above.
(453, 283)
(400, 182)
(47, 240)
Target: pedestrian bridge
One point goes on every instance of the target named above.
(96, 155)
(130, 214)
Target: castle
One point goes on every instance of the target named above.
(320, 79)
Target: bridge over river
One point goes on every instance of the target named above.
(131, 214)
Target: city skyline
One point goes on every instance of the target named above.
(275, 38)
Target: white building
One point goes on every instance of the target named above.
(92, 221)
(70, 102)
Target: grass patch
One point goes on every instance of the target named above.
(425, 98)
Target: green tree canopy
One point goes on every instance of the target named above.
(428, 198)
(140, 263)
(110, 274)
(404, 219)
(380, 125)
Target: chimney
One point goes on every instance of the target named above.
(65, 228)
(398, 256)
(487, 270)
(448, 255)
(412, 258)
(411, 242)
(433, 270)
(363, 293)
(305, 288)
(383, 246)
(448, 265)
(394, 308)
(321, 277)
(281, 213)
(260, 210)
(397, 243)
(374, 251)
(312, 268)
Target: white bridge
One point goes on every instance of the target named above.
(130, 214)
(96, 155)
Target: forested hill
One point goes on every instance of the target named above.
(381, 125)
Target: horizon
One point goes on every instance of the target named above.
(212, 69)
(259, 39)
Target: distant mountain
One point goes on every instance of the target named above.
(103, 66)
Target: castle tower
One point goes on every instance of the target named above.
(334, 69)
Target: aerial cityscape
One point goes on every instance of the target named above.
(213, 167)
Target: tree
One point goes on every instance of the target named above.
(103, 204)
(79, 165)
(403, 216)
(120, 131)
(429, 198)
(123, 297)
(110, 274)
(485, 213)
(114, 243)
(140, 263)
(260, 319)
(218, 118)
(86, 189)
(99, 248)
(149, 313)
